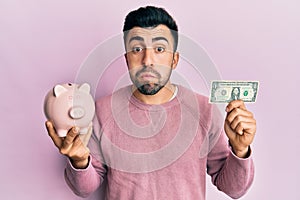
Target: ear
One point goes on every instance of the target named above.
(175, 60)
(58, 90)
(85, 88)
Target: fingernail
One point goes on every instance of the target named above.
(48, 124)
(76, 129)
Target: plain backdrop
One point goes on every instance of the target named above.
(43, 43)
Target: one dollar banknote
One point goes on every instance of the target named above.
(226, 91)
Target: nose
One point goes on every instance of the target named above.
(148, 57)
(76, 112)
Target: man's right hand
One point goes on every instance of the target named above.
(72, 146)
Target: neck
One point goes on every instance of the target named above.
(163, 96)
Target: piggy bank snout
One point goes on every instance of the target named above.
(77, 112)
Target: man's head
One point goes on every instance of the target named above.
(236, 91)
(150, 37)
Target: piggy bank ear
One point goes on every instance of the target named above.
(85, 88)
(58, 90)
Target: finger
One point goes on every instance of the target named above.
(71, 135)
(52, 133)
(238, 119)
(77, 142)
(235, 104)
(245, 127)
(69, 139)
(78, 151)
(238, 112)
(231, 134)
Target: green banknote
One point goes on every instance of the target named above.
(226, 91)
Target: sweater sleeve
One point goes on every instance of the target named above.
(231, 174)
(83, 182)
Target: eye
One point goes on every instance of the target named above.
(160, 49)
(137, 49)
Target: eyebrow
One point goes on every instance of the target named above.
(160, 38)
(136, 38)
(153, 40)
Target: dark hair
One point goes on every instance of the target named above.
(150, 16)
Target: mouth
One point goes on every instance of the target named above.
(147, 75)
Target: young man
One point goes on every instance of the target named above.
(155, 139)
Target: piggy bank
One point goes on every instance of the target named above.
(70, 105)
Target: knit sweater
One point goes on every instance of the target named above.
(151, 152)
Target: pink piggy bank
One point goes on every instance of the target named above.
(69, 105)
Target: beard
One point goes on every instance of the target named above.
(151, 88)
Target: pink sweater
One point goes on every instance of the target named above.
(151, 152)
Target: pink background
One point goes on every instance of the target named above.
(44, 42)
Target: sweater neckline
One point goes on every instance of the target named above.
(154, 107)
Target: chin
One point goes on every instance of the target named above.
(147, 89)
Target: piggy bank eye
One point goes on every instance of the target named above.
(70, 84)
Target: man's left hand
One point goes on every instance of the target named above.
(240, 127)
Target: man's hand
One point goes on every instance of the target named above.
(73, 145)
(240, 127)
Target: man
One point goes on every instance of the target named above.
(235, 93)
(155, 139)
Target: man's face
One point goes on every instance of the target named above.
(236, 91)
(150, 57)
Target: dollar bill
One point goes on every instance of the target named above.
(226, 91)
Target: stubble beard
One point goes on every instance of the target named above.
(150, 88)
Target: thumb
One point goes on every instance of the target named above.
(53, 135)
